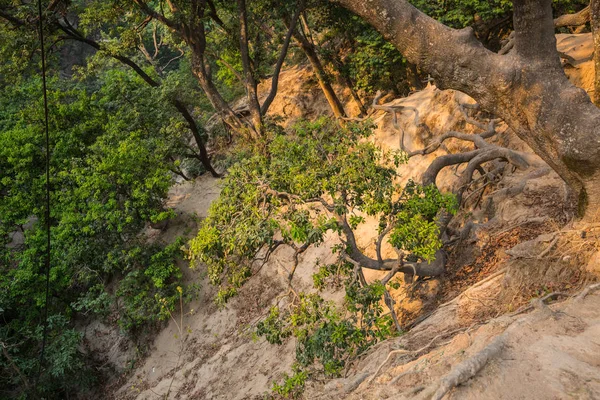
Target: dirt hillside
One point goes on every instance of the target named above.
(550, 352)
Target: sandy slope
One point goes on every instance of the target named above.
(551, 353)
(214, 356)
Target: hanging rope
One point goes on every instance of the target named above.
(47, 211)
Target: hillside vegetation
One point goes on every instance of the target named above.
(257, 199)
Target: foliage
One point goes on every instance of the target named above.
(292, 385)
(298, 187)
(110, 172)
(357, 51)
(328, 337)
(462, 13)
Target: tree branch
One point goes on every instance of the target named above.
(156, 15)
(282, 54)
(451, 56)
(579, 18)
(12, 19)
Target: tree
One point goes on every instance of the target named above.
(310, 51)
(194, 23)
(316, 179)
(112, 144)
(527, 87)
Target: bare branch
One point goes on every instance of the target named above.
(181, 54)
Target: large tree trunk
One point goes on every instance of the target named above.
(527, 88)
(595, 20)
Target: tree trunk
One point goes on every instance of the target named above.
(345, 80)
(198, 137)
(193, 33)
(282, 54)
(595, 21)
(527, 87)
(213, 95)
(322, 78)
(249, 80)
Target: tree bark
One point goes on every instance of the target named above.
(527, 88)
(595, 21)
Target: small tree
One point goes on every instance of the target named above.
(317, 179)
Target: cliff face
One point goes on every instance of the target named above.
(549, 353)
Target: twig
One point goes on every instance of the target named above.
(547, 250)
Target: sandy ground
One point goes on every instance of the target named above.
(214, 355)
(211, 354)
(550, 353)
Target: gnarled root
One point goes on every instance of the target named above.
(469, 368)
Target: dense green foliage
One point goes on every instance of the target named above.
(110, 173)
(304, 183)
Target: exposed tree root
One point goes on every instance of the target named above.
(587, 291)
(413, 352)
(539, 303)
(470, 367)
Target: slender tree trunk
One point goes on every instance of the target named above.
(282, 54)
(249, 80)
(193, 33)
(214, 97)
(345, 80)
(322, 78)
(198, 137)
(595, 20)
(527, 87)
